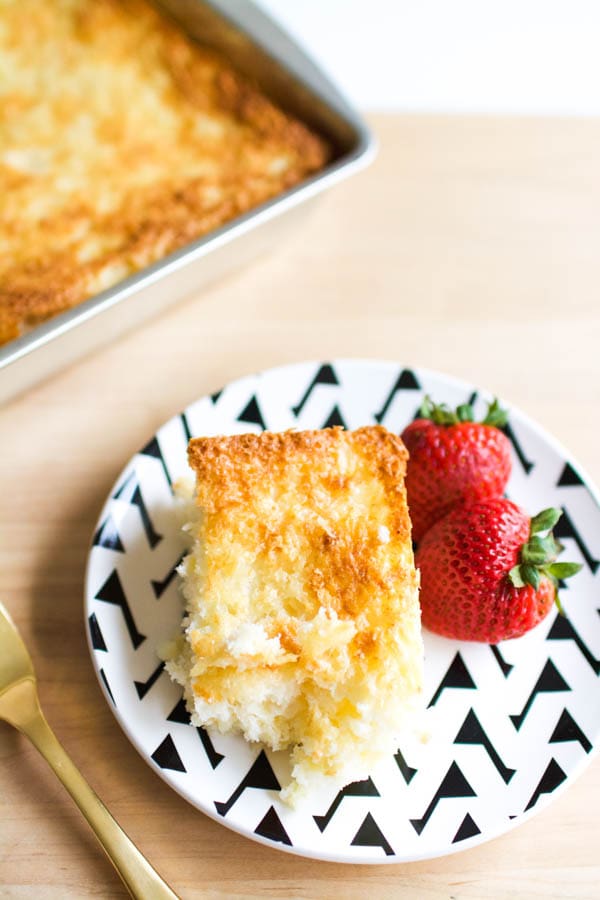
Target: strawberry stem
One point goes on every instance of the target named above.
(442, 414)
(538, 556)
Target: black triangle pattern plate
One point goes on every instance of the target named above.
(507, 726)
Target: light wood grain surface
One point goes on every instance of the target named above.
(470, 246)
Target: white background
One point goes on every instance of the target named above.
(496, 56)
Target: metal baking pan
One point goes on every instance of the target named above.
(260, 49)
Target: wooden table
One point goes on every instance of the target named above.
(471, 246)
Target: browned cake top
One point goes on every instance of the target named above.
(120, 141)
(316, 497)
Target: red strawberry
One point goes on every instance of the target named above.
(453, 459)
(487, 574)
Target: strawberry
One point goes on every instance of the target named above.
(487, 573)
(453, 459)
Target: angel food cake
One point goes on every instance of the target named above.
(121, 140)
(303, 623)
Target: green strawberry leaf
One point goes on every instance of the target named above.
(540, 550)
(438, 413)
(495, 416)
(515, 577)
(562, 570)
(533, 555)
(464, 412)
(441, 414)
(545, 520)
(530, 575)
(426, 408)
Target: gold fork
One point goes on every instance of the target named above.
(20, 706)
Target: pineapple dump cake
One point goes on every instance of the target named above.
(302, 628)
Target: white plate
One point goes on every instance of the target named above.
(511, 725)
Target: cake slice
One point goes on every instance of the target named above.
(303, 622)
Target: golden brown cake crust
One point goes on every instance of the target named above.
(129, 142)
(238, 461)
(232, 475)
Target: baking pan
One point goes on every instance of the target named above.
(260, 49)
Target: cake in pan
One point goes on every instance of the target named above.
(303, 623)
(121, 140)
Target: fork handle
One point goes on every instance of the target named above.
(140, 879)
